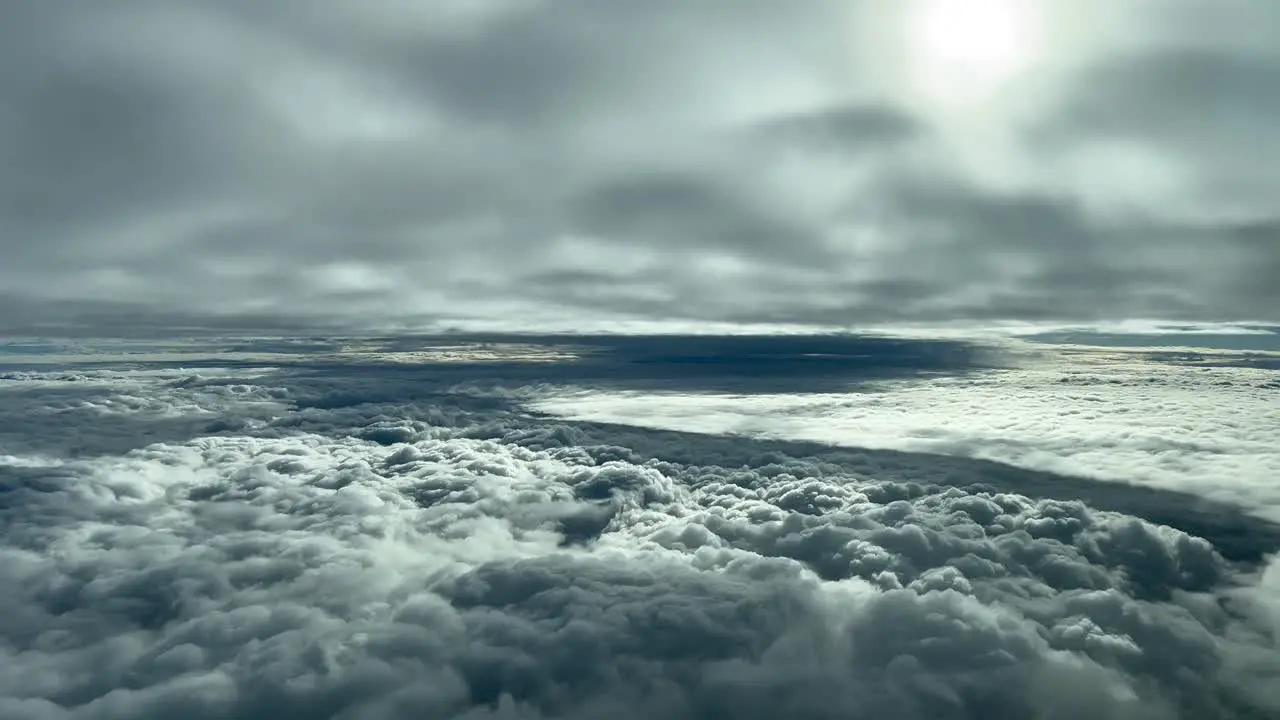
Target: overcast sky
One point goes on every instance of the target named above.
(576, 161)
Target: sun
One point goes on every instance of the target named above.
(970, 51)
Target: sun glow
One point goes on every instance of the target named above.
(960, 52)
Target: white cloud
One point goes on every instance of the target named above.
(383, 546)
(1117, 416)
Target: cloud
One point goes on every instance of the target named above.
(532, 163)
(1200, 427)
(386, 545)
(92, 412)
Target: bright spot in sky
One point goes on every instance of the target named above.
(961, 52)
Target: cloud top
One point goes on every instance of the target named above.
(401, 548)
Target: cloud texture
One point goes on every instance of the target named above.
(278, 165)
(1203, 423)
(369, 543)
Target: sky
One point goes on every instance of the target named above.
(689, 359)
(288, 166)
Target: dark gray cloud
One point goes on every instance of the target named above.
(667, 210)
(349, 541)
(842, 129)
(535, 162)
(1173, 98)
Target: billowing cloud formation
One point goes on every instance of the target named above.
(376, 544)
(553, 162)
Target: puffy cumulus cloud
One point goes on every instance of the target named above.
(88, 412)
(271, 166)
(1201, 423)
(447, 555)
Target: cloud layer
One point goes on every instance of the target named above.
(343, 543)
(1203, 423)
(543, 162)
